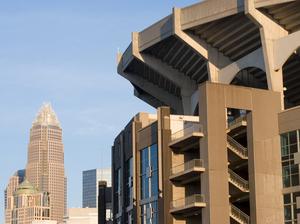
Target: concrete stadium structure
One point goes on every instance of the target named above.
(234, 64)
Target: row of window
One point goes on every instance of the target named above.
(290, 144)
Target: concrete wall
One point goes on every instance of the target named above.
(263, 148)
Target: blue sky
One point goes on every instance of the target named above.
(64, 52)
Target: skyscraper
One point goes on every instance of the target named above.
(45, 167)
(90, 179)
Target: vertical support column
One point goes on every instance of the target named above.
(122, 182)
(136, 174)
(269, 32)
(164, 157)
(266, 203)
(213, 150)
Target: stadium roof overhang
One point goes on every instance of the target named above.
(208, 41)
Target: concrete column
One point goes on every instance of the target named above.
(265, 175)
(165, 186)
(270, 31)
(213, 150)
(136, 126)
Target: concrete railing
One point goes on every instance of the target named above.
(184, 202)
(195, 163)
(237, 147)
(238, 181)
(156, 32)
(236, 121)
(238, 215)
(207, 11)
(187, 130)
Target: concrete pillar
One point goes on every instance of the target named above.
(165, 157)
(265, 180)
(264, 155)
(214, 181)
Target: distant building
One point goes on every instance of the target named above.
(82, 216)
(12, 186)
(104, 203)
(45, 167)
(90, 179)
(44, 222)
(27, 204)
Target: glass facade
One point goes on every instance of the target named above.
(129, 182)
(290, 144)
(117, 191)
(129, 190)
(290, 208)
(90, 179)
(149, 184)
(290, 170)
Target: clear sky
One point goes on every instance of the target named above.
(64, 52)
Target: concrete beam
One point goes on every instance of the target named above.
(254, 59)
(187, 85)
(149, 99)
(263, 3)
(269, 32)
(216, 59)
(158, 93)
(284, 48)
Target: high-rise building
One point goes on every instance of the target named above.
(90, 179)
(233, 65)
(12, 186)
(27, 204)
(45, 167)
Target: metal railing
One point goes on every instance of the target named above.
(239, 215)
(235, 121)
(183, 202)
(238, 181)
(188, 129)
(195, 163)
(237, 146)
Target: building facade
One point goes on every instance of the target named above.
(90, 179)
(234, 67)
(12, 186)
(82, 216)
(141, 163)
(27, 204)
(45, 166)
(104, 203)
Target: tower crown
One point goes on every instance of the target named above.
(46, 116)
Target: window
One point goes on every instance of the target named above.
(290, 208)
(149, 213)
(290, 170)
(149, 184)
(129, 182)
(117, 190)
(290, 173)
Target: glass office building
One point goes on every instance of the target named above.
(90, 179)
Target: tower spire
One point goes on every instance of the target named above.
(46, 116)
